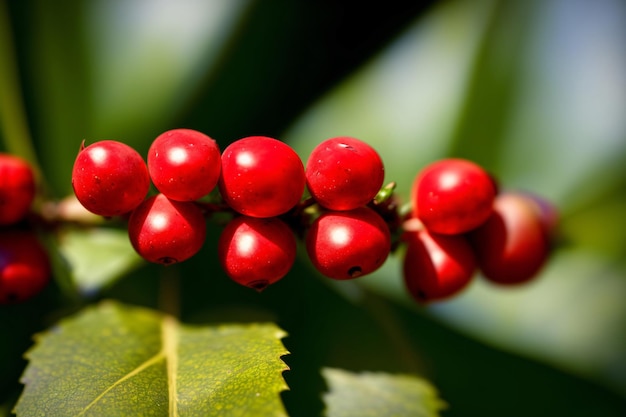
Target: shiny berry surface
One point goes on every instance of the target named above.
(256, 252)
(348, 244)
(24, 266)
(166, 231)
(512, 245)
(453, 196)
(110, 178)
(184, 164)
(17, 188)
(437, 267)
(261, 177)
(344, 173)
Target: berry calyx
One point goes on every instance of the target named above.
(512, 245)
(344, 173)
(110, 178)
(348, 244)
(437, 266)
(166, 231)
(453, 196)
(24, 266)
(256, 252)
(184, 164)
(261, 177)
(17, 188)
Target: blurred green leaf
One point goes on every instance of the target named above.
(114, 359)
(405, 101)
(97, 257)
(379, 394)
(14, 127)
(148, 59)
(534, 94)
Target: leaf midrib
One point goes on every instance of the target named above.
(169, 334)
(168, 352)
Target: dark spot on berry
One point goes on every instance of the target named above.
(421, 295)
(167, 260)
(259, 285)
(13, 297)
(355, 271)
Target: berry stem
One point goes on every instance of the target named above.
(169, 291)
(15, 132)
(382, 312)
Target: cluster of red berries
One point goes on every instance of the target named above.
(458, 222)
(461, 224)
(24, 263)
(262, 181)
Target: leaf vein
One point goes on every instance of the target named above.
(146, 364)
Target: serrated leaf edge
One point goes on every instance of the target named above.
(169, 335)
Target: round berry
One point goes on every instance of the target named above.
(437, 266)
(110, 178)
(184, 164)
(261, 177)
(512, 245)
(547, 212)
(24, 266)
(256, 252)
(17, 188)
(453, 196)
(348, 244)
(166, 231)
(344, 173)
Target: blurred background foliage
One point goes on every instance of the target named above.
(535, 91)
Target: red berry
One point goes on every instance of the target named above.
(437, 267)
(348, 244)
(166, 231)
(344, 173)
(17, 188)
(24, 266)
(547, 212)
(261, 177)
(184, 164)
(511, 246)
(110, 178)
(256, 252)
(453, 196)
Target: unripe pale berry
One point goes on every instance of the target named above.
(512, 245)
(256, 252)
(24, 266)
(166, 231)
(17, 188)
(110, 178)
(453, 196)
(348, 244)
(184, 164)
(344, 173)
(437, 267)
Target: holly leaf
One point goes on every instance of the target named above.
(379, 394)
(114, 359)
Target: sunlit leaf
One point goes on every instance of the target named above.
(127, 361)
(379, 394)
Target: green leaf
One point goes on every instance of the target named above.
(97, 257)
(379, 394)
(113, 359)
